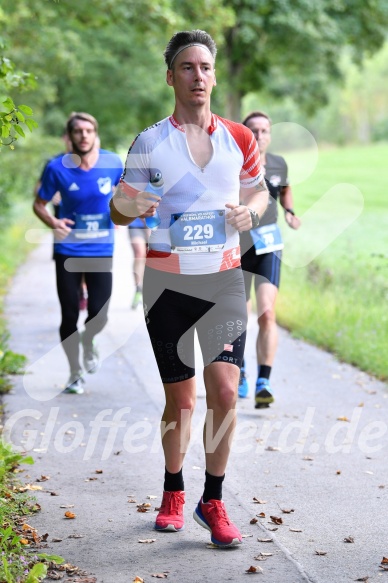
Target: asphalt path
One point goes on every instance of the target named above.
(316, 459)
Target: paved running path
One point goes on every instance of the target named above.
(296, 455)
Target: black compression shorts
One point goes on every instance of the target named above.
(176, 305)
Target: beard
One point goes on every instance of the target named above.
(82, 152)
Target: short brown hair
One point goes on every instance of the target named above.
(80, 115)
(188, 37)
(256, 114)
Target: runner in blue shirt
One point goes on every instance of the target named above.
(83, 237)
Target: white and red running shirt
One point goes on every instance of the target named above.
(193, 236)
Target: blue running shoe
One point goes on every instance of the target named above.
(243, 385)
(263, 394)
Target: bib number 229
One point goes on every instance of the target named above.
(195, 232)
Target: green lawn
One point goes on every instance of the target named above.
(334, 286)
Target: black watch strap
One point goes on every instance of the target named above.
(254, 218)
(291, 211)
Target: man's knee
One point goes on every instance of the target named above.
(267, 317)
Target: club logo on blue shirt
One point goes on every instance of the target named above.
(105, 185)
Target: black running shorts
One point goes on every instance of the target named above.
(265, 268)
(176, 305)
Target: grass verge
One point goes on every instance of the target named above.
(337, 300)
(20, 559)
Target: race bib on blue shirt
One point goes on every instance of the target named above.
(91, 226)
(197, 231)
(267, 239)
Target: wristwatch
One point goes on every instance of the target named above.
(254, 218)
(291, 211)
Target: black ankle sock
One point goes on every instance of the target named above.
(264, 371)
(213, 487)
(243, 363)
(173, 482)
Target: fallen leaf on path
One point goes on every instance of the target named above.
(348, 539)
(363, 579)
(276, 519)
(343, 418)
(246, 535)
(69, 514)
(272, 448)
(147, 540)
(383, 567)
(259, 501)
(338, 472)
(43, 479)
(265, 540)
(287, 510)
(321, 553)
(264, 555)
(308, 458)
(132, 501)
(66, 506)
(44, 537)
(150, 497)
(145, 507)
(29, 487)
(138, 580)
(24, 541)
(253, 569)
(384, 561)
(99, 472)
(296, 530)
(27, 528)
(273, 529)
(76, 536)
(55, 575)
(159, 575)
(253, 521)
(261, 515)
(54, 494)
(56, 540)
(90, 479)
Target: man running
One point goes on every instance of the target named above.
(192, 277)
(83, 237)
(261, 257)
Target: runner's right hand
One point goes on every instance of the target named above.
(61, 228)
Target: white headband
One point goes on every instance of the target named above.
(186, 47)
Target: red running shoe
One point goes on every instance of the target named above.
(212, 515)
(170, 516)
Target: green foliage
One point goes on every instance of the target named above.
(11, 363)
(106, 57)
(291, 47)
(9, 461)
(14, 117)
(18, 564)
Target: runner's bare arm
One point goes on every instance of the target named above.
(286, 199)
(125, 207)
(60, 226)
(255, 199)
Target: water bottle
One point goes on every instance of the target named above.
(155, 186)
